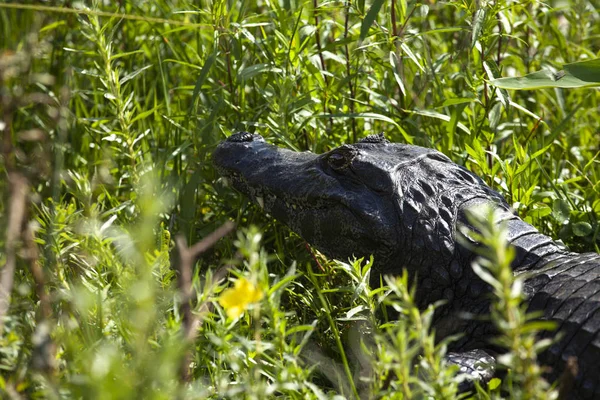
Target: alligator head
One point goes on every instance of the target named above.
(398, 202)
(404, 204)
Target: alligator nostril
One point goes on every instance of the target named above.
(240, 137)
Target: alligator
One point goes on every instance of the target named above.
(404, 205)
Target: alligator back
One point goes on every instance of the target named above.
(567, 291)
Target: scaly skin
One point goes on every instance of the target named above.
(403, 204)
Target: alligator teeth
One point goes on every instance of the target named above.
(260, 201)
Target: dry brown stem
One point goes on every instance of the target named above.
(187, 257)
(19, 188)
(567, 379)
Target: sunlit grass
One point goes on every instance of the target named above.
(112, 121)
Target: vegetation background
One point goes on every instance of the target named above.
(109, 112)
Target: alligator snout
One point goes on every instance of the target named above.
(239, 153)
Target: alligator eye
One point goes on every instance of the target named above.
(337, 160)
(340, 160)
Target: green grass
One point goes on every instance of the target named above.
(109, 123)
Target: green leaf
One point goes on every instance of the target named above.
(538, 326)
(47, 28)
(370, 115)
(185, 64)
(126, 54)
(587, 71)
(457, 100)
(437, 115)
(575, 75)
(561, 210)
(539, 210)
(596, 206)
(582, 228)
(253, 70)
(494, 383)
(395, 62)
(526, 111)
(412, 56)
(541, 151)
(201, 78)
(477, 25)
(492, 71)
(282, 283)
(526, 164)
(494, 116)
(133, 74)
(487, 276)
(370, 18)
(144, 114)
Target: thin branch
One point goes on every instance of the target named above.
(206, 307)
(318, 40)
(400, 65)
(322, 59)
(19, 234)
(397, 33)
(394, 28)
(19, 189)
(211, 239)
(567, 379)
(314, 257)
(32, 255)
(348, 71)
(499, 55)
(43, 357)
(187, 257)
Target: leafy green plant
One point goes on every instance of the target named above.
(109, 114)
(518, 330)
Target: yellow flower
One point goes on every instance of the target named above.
(236, 300)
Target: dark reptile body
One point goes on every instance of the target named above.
(403, 204)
